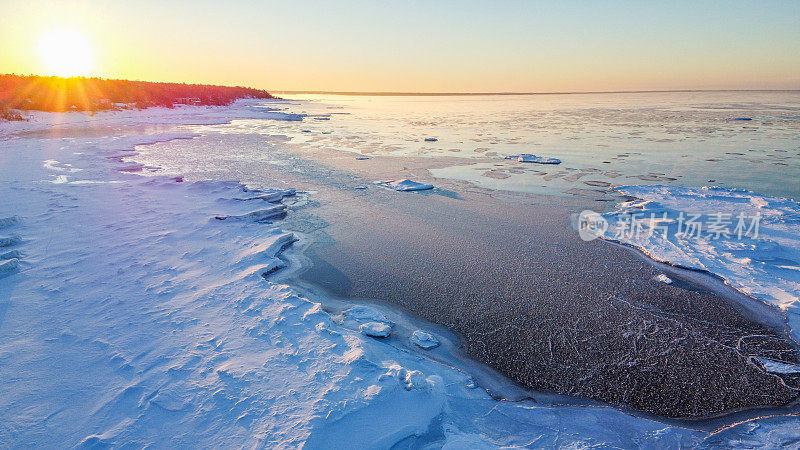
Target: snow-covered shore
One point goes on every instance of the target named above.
(137, 316)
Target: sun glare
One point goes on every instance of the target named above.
(65, 53)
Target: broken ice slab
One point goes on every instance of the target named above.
(407, 185)
(529, 158)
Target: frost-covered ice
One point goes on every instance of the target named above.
(367, 320)
(376, 329)
(139, 319)
(407, 185)
(749, 240)
(423, 339)
(363, 314)
(529, 158)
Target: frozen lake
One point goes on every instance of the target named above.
(339, 146)
(684, 138)
(144, 309)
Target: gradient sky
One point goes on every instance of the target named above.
(423, 46)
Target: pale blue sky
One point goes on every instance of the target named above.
(424, 45)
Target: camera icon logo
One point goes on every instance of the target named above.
(591, 225)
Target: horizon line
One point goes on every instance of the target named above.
(433, 94)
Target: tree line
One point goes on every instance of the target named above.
(57, 94)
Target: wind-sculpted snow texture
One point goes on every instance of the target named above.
(137, 317)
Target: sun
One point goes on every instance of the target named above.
(65, 53)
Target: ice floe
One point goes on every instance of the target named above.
(424, 340)
(529, 158)
(407, 185)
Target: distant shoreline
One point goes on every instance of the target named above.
(60, 94)
(453, 94)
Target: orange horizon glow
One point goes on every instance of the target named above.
(501, 46)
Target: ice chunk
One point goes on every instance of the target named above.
(424, 339)
(663, 278)
(529, 158)
(376, 329)
(278, 211)
(52, 164)
(407, 185)
(365, 314)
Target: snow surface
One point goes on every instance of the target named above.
(8, 265)
(138, 319)
(180, 114)
(765, 265)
